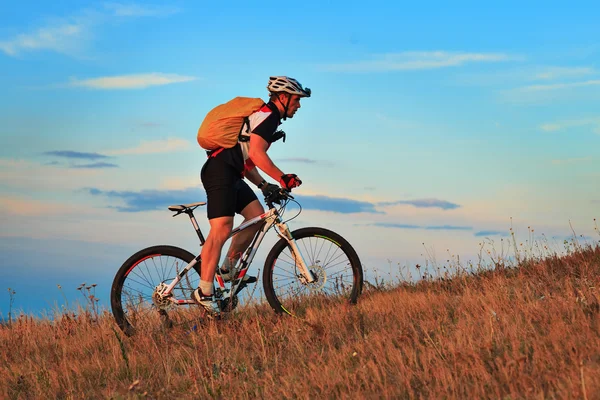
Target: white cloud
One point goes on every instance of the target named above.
(406, 61)
(72, 34)
(522, 75)
(546, 93)
(550, 127)
(136, 10)
(135, 81)
(550, 73)
(62, 38)
(557, 86)
(18, 173)
(556, 126)
(153, 146)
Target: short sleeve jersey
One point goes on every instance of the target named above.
(264, 123)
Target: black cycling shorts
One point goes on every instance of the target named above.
(226, 191)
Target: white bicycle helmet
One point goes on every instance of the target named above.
(288, 85)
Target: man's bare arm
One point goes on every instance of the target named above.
(254, 176)
(258, 155)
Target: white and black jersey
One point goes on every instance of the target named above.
(264, 123)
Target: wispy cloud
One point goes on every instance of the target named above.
(75, 154)
(410, 226)
(300, 160)
(149, 200)
(423, 203)
(72, 34)
(552, 73)
(490, 233)
(135, 81)
(394, 225)
(98, 165)
(556, 126)
(169, 145)
(62, 38)
(559, 86)
(306, 161)
(154, 146)
(407, 61)
(336, 205)
(449, 228)
(137, 10)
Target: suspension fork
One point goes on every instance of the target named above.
(284, 232)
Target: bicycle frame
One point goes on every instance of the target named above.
(270, 218)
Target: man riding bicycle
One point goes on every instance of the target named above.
(227, 193)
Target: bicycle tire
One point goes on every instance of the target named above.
(131, 292)
(281, 273)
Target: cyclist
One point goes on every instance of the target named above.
(227, 193)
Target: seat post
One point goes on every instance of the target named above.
(190, 214)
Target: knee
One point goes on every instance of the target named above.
(219, 234)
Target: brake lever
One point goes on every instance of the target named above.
(287, 193)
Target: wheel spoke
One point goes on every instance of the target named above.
(136, 305)
(333, 267)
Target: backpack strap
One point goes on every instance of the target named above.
(213, 153)
(244, 136)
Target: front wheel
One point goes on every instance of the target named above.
(330, 258)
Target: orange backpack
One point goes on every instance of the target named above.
(222, 126)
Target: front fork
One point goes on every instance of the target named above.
(284, 232)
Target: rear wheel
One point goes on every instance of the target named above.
(331, 259)
(134, 299)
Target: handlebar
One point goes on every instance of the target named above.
(278, 196)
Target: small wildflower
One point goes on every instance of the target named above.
(134, 384)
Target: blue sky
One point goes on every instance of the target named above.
(431, 128)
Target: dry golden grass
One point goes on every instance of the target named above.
(510, 333)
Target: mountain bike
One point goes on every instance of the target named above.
(154, 286)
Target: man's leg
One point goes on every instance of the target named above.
(242, 240)
(220, 229)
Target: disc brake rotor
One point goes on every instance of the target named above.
(321, 278)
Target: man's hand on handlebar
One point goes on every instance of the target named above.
(278, 196)
(289, 181)
(268, 190)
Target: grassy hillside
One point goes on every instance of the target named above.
(511, 333)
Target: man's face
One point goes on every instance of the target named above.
(294, 104)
